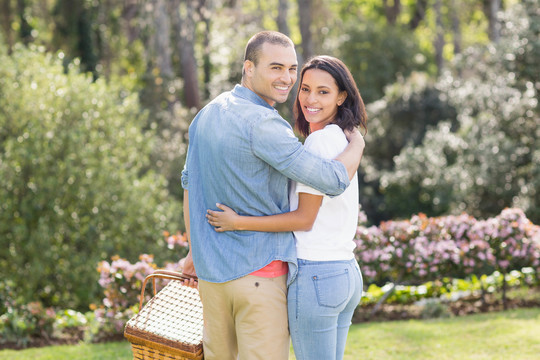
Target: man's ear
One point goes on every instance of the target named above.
(248, 67)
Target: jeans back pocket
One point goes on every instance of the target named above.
(332, 289)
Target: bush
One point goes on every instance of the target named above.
(121, 282)
(483, 159)
(76, 187)
(398, 122)
(423, 249)
(20, 323)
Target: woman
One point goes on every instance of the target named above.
(328, 287)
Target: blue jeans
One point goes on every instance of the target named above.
(321, 302)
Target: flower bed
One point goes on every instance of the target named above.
(423, 249)
(403, 264)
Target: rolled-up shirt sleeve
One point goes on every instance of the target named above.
(273, 141)
(184, 178)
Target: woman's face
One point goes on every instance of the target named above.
(319, 98)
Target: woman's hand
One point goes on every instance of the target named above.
(354, 134)
(222, 220)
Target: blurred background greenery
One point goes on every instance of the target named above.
(96, 98)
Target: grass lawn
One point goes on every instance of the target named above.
(506, 335)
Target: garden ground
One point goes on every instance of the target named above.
(511, 334)
(517, 297)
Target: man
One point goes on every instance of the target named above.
(241, 153)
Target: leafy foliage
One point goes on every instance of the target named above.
(377, 56)
(121, 282)
(19, 324)
(482, 157)
(397, 122)
(75, 181)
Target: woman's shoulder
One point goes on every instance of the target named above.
(329, 141)
(330, 133)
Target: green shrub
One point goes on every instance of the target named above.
(19, 324)
(76, 187)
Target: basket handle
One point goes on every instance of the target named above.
(162, 274)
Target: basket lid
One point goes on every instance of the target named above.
(174, 314)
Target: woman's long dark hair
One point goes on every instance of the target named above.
(350, 114)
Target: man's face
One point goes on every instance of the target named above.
(275, 74)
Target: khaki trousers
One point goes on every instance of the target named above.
(245, 319)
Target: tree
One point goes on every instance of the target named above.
(305, 28)
(392, 11)
(25, 30)
(438, 42)
(161, 39)
(491, 8)
(283, 12)
(419, 14)
(184, 22)
(205, 13)
(73, 21)
(6, 19)
(456, 28)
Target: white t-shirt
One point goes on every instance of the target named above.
(332, 235)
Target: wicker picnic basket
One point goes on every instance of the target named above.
(169, 326)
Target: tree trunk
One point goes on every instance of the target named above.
(6, 18)
(439, 36)
(205, 14)
(130, 12)
(305, 28)
(162, 39)
(184, 24)
(456, 26)
(86, 41)
(25, 30)
(283, 10)
(392, 12)
(105, 54)
(73, 27)
(491, 8)
(419, 14)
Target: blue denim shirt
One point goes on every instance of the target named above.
(241, 154)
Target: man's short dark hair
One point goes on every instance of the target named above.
(254, 45)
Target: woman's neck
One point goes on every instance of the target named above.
(318, 126)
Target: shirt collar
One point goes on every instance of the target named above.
(247, 94)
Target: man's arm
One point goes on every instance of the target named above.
(351, 156)
(189, 268)
(274, 142)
